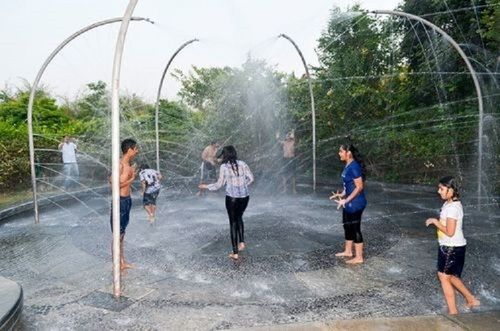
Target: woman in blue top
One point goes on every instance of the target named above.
(352, 200)
(236, 175)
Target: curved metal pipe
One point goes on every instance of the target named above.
(33, 92)
(313, 111)
(115, 144)
(157, 104)
(472, 72)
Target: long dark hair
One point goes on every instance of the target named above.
(356, 156)
(451, 182)
(230, 156)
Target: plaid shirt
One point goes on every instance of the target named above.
(236, 185)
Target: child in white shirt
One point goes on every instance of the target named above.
(451, 253)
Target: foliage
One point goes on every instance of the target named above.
(392, 86)
(242, 107)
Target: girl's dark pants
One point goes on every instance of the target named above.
(352, 226)
(235, 209)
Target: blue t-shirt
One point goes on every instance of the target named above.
(351, 172)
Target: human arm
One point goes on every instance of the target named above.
(127, 182)
(248, 175)
(278, 140)
(205, 154)
(127, 175)
(218, 184)
(448, 229)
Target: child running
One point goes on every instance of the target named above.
(451, 252)
(236, 176)
(150, 188)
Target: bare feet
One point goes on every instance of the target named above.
(472, 303)
(241, 246)
(151, 219)
(126, 265)
(343, 254)
(356, 260)
(233, 256)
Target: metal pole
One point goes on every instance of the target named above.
(474, 78)
(33, 92)
(157, 104)
(313, 111)
(115, 144)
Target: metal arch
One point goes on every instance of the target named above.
(115, 145)
(157, 104)
(313, 111)
(472, 72)
(33, 92)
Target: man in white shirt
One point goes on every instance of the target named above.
(70, 170)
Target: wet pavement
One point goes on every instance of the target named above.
(183, 278)
(478, 321)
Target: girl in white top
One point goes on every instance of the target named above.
(451, 253)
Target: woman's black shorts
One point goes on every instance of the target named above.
(451, 260)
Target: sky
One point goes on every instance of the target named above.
(229, 31)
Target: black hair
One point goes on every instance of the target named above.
(230, 156)
(356, 156)
(451, 182)
(128, 144)
(144, 166)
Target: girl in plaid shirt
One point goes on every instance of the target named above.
(236, 176)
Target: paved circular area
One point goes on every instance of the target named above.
(184, 280)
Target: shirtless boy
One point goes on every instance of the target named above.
(127, 176)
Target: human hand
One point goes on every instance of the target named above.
(335, 195)
(430, 221)
(341, 203)
(202, 186)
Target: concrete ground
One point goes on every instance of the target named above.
(485, 321)
(287, 279)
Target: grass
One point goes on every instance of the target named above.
(13, 198)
